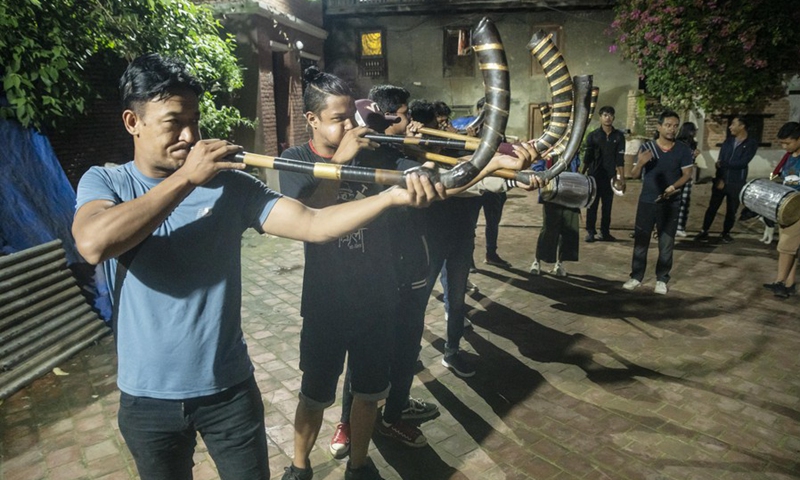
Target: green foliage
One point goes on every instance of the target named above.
(44, 46)
(712, 54)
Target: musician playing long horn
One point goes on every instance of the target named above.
(350, 301)
(167, 227)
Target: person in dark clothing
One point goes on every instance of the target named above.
(686, 135)
(666, 165)
(736, 153)
(605, 161)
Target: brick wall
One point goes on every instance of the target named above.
(776, 113)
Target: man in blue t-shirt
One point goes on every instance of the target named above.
(665, 166)
(168, 228)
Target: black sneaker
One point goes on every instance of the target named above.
(417, 409)
(589, 238)
(368, 472)
(606, 237)
(702, 237)
(294, 473)
(781, 291)
(792, 290)
(458, 365)
(772, 286)
(496, 261)
(726, 238)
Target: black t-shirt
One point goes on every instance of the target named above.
(354, 276)
(663, 170)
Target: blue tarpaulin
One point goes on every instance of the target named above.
(36, 200)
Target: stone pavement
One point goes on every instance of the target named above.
(577, 378)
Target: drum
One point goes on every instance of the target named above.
(774, 201)
(570, 189)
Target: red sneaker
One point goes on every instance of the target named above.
(340, 442)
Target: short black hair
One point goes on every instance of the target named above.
(422, 111)
(608, 109)
(441, 108)
(744, 120)
(319, 86)
(389, 97)
(154, 77)
(789, 130)
(668, 114)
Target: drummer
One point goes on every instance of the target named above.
(789, 172)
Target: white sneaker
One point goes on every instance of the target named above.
(661, 288)
(558, 270)
(535, 268)
(680, 233)
(631, 284)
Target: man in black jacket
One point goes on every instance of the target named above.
(605, 159)
(736, 153)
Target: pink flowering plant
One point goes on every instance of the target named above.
(713, 54)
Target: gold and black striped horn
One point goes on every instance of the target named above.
(492, 61)
(558, 150)
(544, 49)
(545, 110)
(563, 152)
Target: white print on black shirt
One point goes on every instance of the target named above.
(353, 241)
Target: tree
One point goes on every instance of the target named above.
(717, 55)
(45, 45)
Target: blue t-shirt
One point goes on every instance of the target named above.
(663, 170)
(178, 327)
(791, 169)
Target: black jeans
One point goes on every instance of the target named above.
(493, 211)
(729, 193)
(665, 217)
(161, 434)
(606, 196)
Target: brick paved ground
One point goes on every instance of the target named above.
(576, 377)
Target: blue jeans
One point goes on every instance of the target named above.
(664, 216)
(451, 254)
(161, 434)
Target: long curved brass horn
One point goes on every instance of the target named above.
(492, 61)
(561, 88)
(558, 149)
(565, 151)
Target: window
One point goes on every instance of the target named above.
(373, 54)
(459, 61)
(558, 39)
